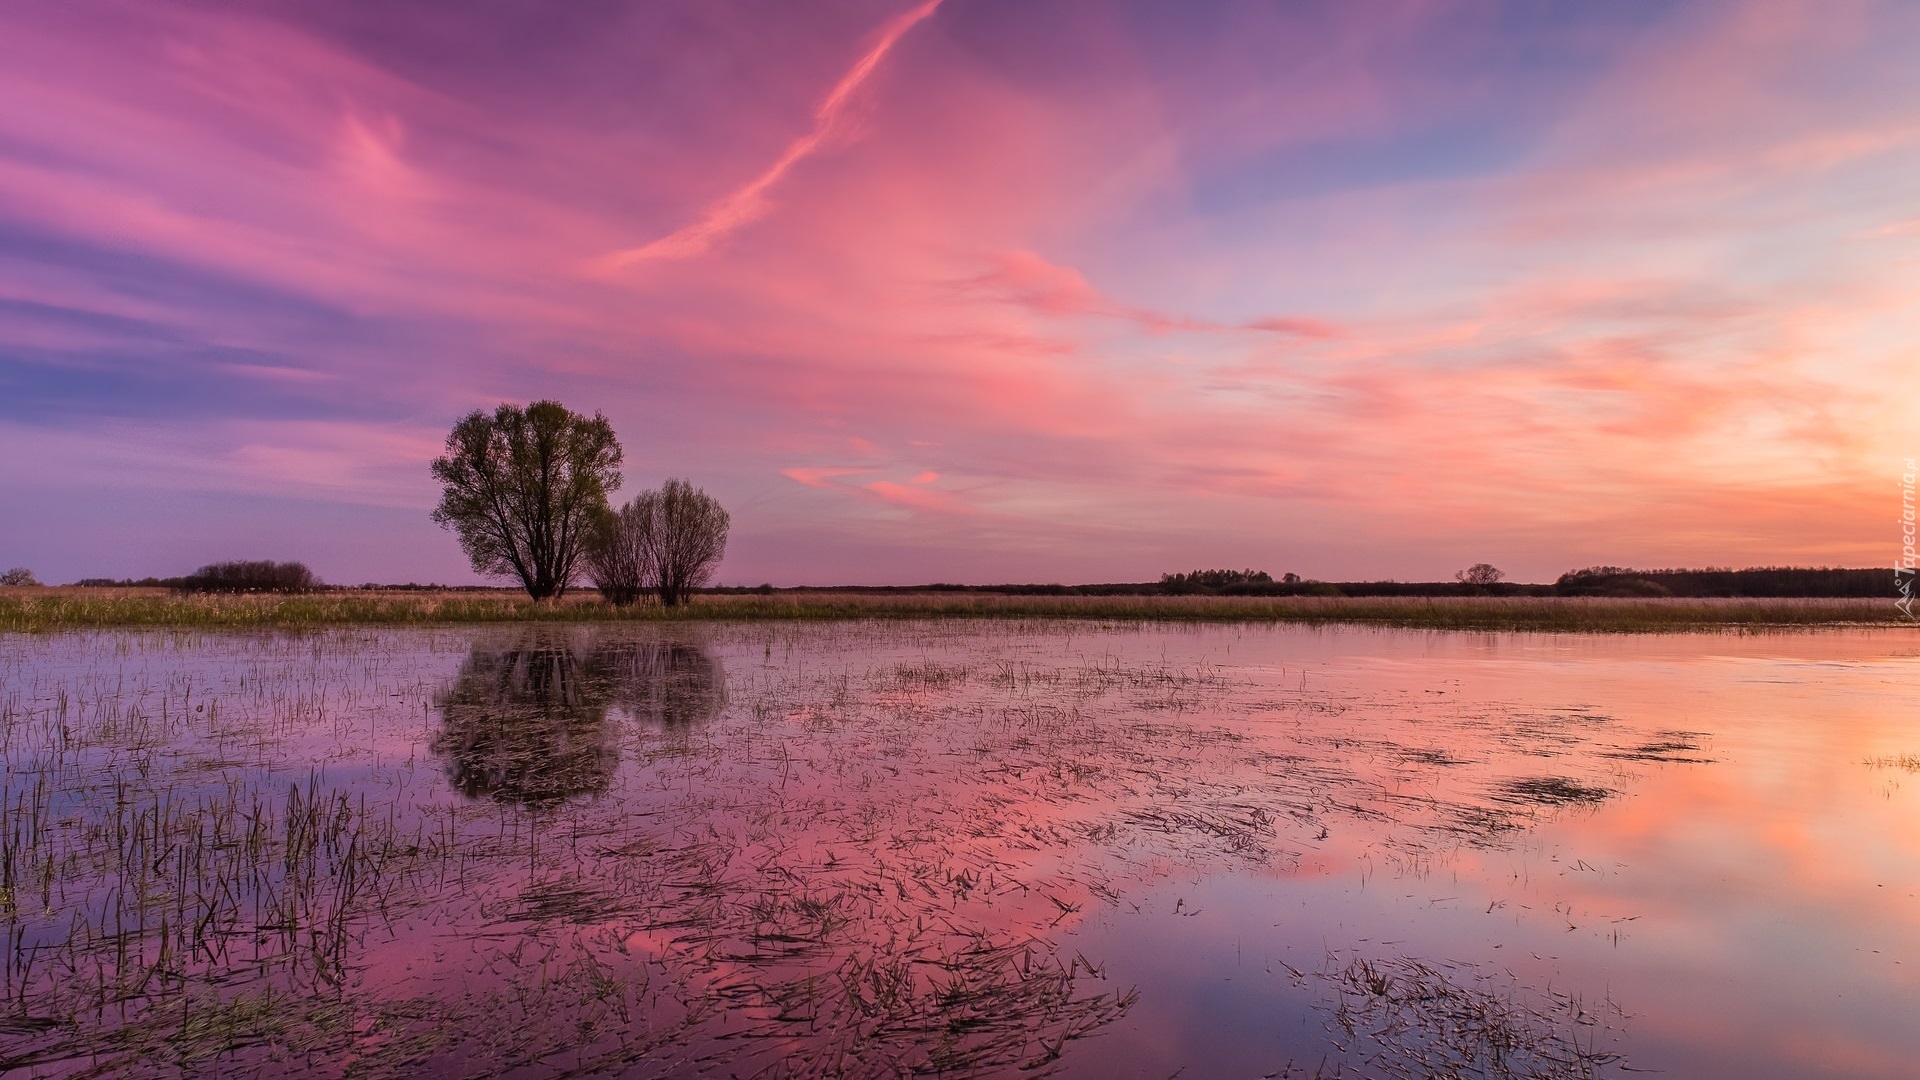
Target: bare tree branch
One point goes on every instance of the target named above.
(666, 542)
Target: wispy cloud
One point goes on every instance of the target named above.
(749, 202)
(1098, 291)
(1027, 279)
(915, 495)
(821, 476)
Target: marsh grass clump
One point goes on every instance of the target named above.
(163, 926)
(1669, 746)
(1551, 791)
(925, 676)
(1431, 756)
(1416, 1018)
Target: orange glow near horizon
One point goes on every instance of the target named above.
(969, 292)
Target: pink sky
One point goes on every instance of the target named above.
(970, 290)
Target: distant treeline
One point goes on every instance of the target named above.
(1759, 581)
(1612, 581)
(239, 576)
(1301, 587)
(198, 582)
(1609, 581)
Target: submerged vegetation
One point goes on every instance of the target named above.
(55, 609)
(851, 850)
(1461, 1020)
(1552, 791)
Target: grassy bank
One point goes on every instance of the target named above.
(40, 610)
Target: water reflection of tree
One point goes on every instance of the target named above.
(670, 683)
(527, 723)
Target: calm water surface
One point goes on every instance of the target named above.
(960, 849)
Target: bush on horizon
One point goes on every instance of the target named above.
(1214, 580)
(244, 576)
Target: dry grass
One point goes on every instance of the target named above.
(40, 610)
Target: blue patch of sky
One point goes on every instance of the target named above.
(130, 367)
(134, 529)
(1473, 98)
(170, 282)
(1461, 147)
(160, 380)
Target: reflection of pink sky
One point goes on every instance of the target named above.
(1091, 316)
(1753, 917)
(1086, 789)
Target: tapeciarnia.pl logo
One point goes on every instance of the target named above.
(1903, 569)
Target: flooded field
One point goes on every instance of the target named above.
(959, 848)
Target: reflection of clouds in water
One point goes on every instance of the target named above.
(949, 819)
(671, 683)
(528, 722)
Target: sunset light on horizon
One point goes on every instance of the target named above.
(970, 290)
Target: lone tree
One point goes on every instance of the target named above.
(666, 542)
(1479, 574)
(523, 488)
(19, 575)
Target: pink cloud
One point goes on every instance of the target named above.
(749, 202)
(820, 476)
(917, 498)
(1044, 315)
(1309, 328)
(1025, 279)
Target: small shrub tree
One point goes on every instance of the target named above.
(620, 558)
(1479, 574)
(19, 575)
(523, 489)
(691, 536)
(666, 542)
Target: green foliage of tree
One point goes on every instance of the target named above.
(523, 488)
